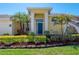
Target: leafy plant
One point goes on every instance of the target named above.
(46, 32)
(32, 34)
(6, 34)
(13, 39)
(39, 39)
(22, 17)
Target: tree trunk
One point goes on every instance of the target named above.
(21, 29)
(62, 31)
(27, 27)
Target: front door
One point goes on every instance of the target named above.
(40, 27)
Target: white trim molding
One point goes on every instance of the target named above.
(32, 22)
(46, 21)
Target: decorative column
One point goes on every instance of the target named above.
(46, 21)
(32, 22)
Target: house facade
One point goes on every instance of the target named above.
(40, 20)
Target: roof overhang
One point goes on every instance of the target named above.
(48, 9)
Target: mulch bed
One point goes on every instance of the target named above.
(35, 45)
(2, 45)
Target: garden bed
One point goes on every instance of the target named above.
(33, 42)
(33, 45)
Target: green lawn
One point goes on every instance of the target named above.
(42, 51)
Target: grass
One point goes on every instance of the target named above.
(64, 50)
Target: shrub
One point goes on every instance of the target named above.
(39, 39)
(32, 33)
(56, 38)
(32, 36)
(13, 39)
(30, 39)
(6, 34)
(46, 32)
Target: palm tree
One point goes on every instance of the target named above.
(67, 20)
(25, 21)
(63, 19)
(59, 20)
(22, 18)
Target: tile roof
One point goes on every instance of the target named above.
(5, 17)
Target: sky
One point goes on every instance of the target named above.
(65, 8)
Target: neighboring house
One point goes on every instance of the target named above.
(5, 25)
(40, 20)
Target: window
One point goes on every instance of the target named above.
(54, 20)
(10, 25)
(39, 20)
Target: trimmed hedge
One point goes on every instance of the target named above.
(12, 39)
(35, 39)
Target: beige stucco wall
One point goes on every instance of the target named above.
(54, 27)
